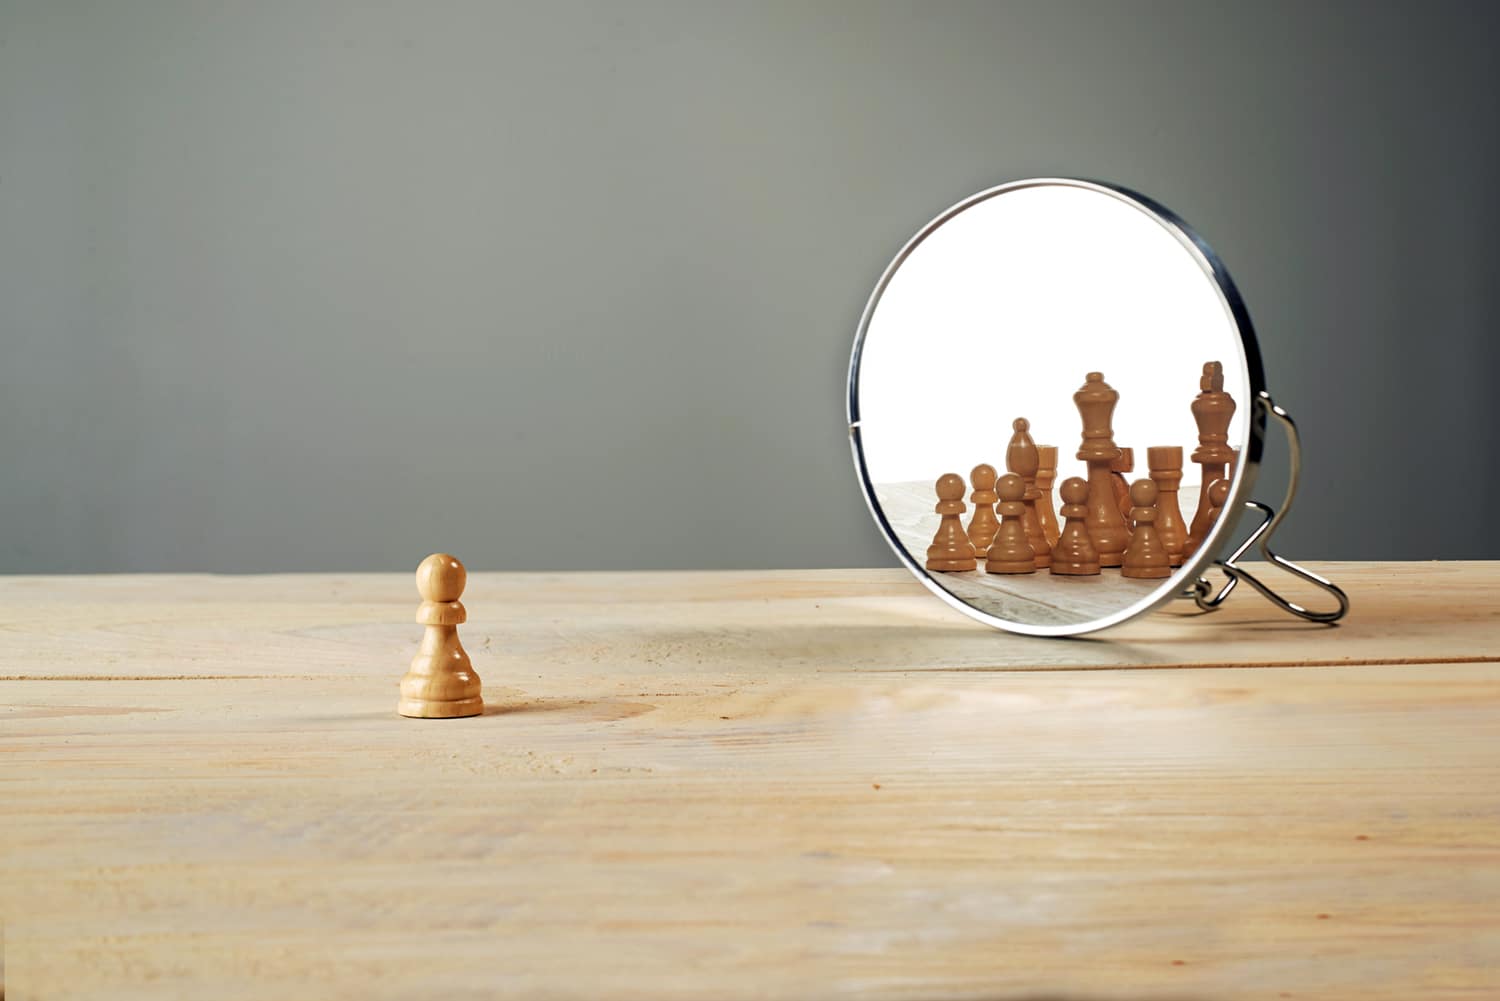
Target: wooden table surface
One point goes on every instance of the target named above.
(746, 785)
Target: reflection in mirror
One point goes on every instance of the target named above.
(1046, 384)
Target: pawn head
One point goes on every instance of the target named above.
(1020, 424)
(441, 578)
(1074, 490)
(983, 476)
(1143, 493)
(1010, 487)
(1218, 493)
(950, 486)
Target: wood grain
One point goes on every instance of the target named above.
(741, 785)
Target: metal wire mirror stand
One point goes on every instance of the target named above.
(1202, 590)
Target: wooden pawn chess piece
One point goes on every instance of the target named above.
(950, 549)
(1145, 558)
(1022, 458)
(1117, 469)
(1074, 554)
(1046, 473)
(1165, 464)
(441, 683)
(982, 526)
(1213, 409)
(1108, 532)
(1011, 551)
(1204, 523)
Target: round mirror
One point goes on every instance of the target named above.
(1052, 405)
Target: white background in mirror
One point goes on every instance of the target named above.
(1002, 311)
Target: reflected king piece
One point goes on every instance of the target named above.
(1213, 409)
(1096, 401)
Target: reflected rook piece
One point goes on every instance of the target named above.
(1022, 458)
(950, 549)
(1213, 409)
(1124, 464)
(1165, 462)
(1145, 557)
(1107, 530)
(441, 683)
(982, 526)
(1046, 472)
(1011, 551)
(1074, 554)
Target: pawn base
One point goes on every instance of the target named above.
(1009, 566)
(434, 709)
(952, 565)
(1075, 569)
(1146, 573)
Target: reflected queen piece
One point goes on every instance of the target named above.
(1054, 284)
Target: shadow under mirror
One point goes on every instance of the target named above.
(1047, 384)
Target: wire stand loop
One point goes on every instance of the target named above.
(1202, 591)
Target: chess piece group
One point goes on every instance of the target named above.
(441, 683)
(1107, 520)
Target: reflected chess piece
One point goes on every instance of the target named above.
(1213, 409)
(1022, 458)
(1074, 554)
(950, 550)
(1108, 532)
(1165, 464)
(441, 683)
(982, 525)
(1124, 464)
(1213, 497)
(1046, 473)
(1011, 551)
(1145, 558)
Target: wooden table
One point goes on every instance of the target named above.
(746, 785)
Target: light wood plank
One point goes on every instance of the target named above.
(318, 625)
(748, 794)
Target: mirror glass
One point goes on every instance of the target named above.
(1048, 330)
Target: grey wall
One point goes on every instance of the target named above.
(298, 285)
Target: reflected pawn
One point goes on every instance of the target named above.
(1165, 464)
(1011, 550)
(1145, 558)
(1022, 458)
(1213, 409)
(983, 524)
(1046, 473)
(1108, 533)
(441, 683)
(1074, 554)
(950, 550)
